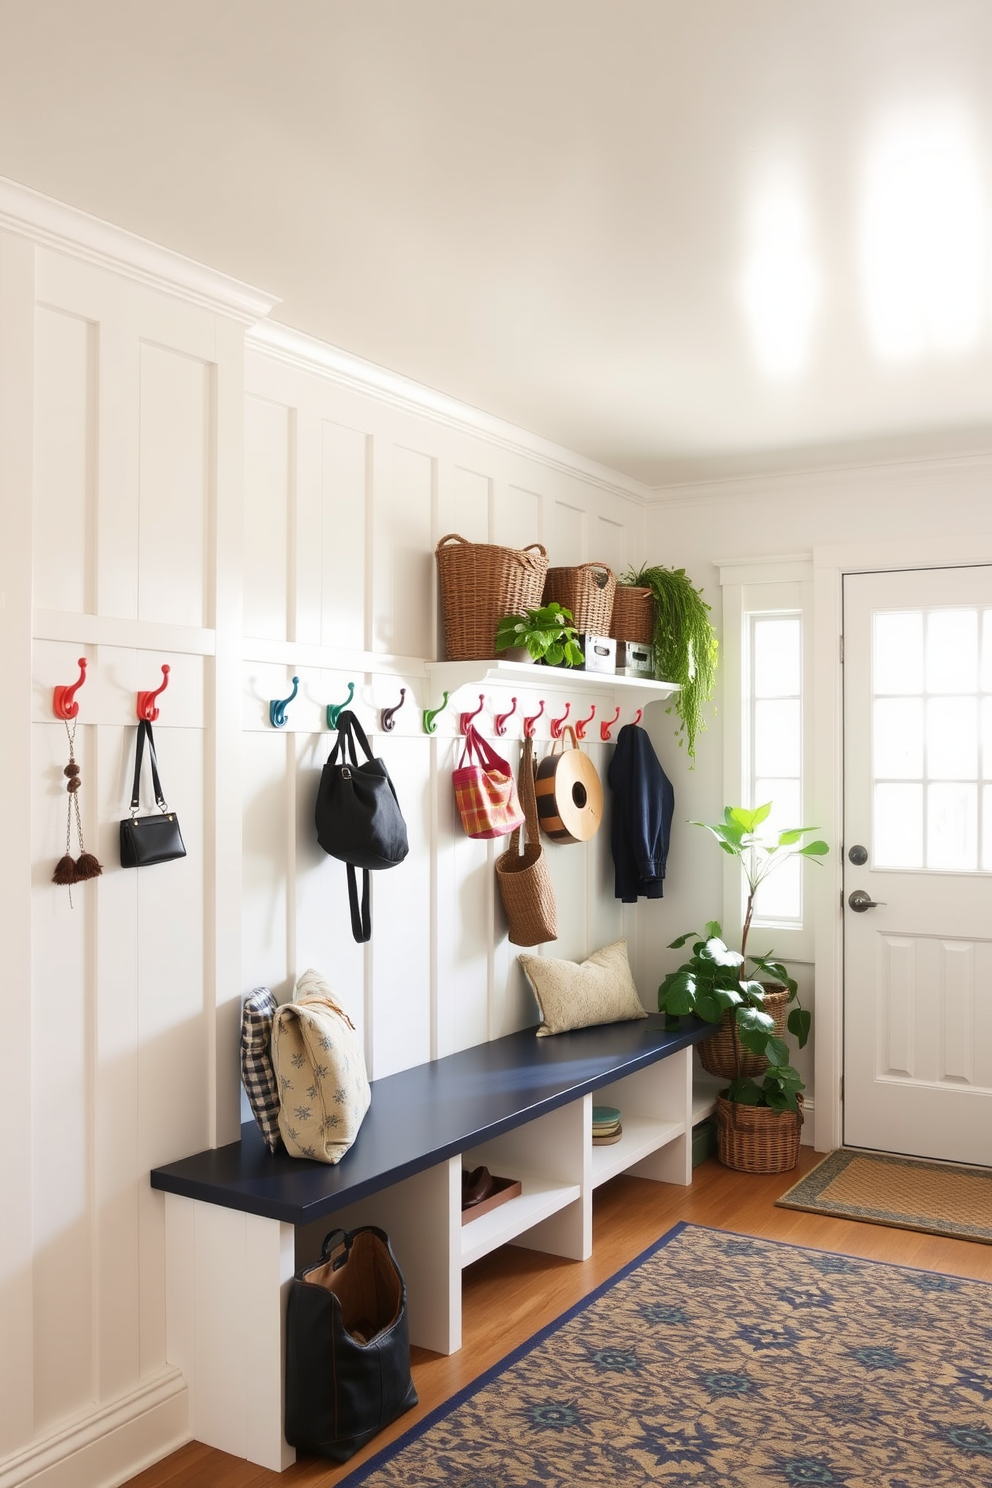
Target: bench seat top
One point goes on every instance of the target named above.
(424, 1115)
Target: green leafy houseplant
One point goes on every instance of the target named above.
(548, 634)
(685, 645)
(715, 979)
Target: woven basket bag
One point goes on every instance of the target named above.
(756, 1139)
(716, 1054)
(587, 591)
(523, 877)
(633, 614)
(480, 584)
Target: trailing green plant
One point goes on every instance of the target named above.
(715, 979)
(685, 645)
(548, 634)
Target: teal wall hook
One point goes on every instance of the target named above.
(277, 709)
(431, 714)
(334, 710)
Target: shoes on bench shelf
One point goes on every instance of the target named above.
(476, 1186)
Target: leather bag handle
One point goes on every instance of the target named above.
(528, 799)
(145, 728)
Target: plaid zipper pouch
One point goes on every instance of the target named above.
(485, 793)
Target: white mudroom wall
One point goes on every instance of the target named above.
(244, 513)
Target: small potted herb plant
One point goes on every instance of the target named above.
(715, 985)
(546, 634)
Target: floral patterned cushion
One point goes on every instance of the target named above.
(320, 1066)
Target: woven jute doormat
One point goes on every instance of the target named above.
(909, 1193)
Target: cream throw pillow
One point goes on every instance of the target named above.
(601, 990)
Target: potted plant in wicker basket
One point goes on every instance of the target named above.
(758, 1118)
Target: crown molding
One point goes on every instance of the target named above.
(53, 224)
(310, 355)
(784, 484)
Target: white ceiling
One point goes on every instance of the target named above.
(560, 211)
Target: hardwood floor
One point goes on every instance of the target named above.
(512, 1293)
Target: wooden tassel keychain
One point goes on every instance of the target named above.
(69, 870)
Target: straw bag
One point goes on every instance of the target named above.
(524, 881)
(480, 584)
(633, 614)
(485, 794)
(587, 591)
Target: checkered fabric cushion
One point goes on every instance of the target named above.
(257, 1072)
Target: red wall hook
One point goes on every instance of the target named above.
(529, 723)
(582, 723)
(502, 719)
(64, 703)
(467, 717)
(146, 700)
(557, 724)
(606, 725)
(640, 714)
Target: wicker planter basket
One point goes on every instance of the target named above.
(756, 1139)
(717, 1053)
(587, 591)
(633, 614)
(480, 583)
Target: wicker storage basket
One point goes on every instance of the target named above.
(587, 591)
(633, 614)
(756, 1139)
(480, 583)
(717, 1053)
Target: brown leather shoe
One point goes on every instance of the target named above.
(476, 1186)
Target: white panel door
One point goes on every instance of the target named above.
(918, 848)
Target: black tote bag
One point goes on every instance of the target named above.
(358, 817)
(347, 1346)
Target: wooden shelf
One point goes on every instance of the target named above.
(641, 1137)
(540, 1198)
(450, 675)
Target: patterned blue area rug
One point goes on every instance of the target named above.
(720, 1361)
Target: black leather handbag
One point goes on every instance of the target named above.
(155, 838)
(347, 1346)
(358, 817)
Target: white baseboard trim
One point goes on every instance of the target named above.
(110, 1444)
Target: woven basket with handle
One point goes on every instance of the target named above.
(717, 1053)
(587, 591)
(524, 878)
(480, 584)
(756, 1139)
(633, 614)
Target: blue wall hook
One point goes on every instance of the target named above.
(334, 710)
(277, 709)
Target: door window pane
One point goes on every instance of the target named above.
(897, 833)
(952, 738)
(952, 650)
(952, 826)
(898, 652)
(932, 731)
(987, 828)
(897, 740)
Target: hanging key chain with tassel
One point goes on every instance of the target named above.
(69, 870)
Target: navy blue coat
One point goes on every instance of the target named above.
(643, 805)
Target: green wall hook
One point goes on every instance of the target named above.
(334, 710)
(277, 709)
(430, 716)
